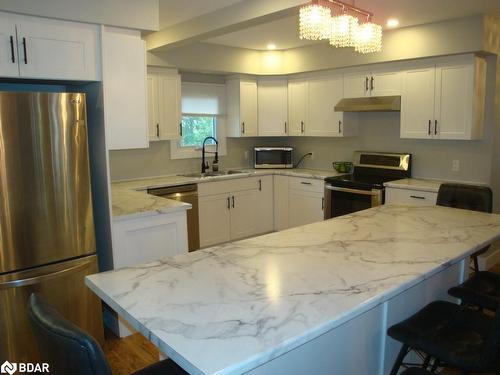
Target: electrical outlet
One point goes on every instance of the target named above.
(312, 155)
(455, 165)
(247, 155)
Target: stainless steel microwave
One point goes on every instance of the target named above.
(273, 157)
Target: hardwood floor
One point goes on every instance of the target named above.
(129, 354)
(135, 352)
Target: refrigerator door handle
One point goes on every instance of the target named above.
(40, 278)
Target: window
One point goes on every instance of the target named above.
(203, 108)
(195, 128)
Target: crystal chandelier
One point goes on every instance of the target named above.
(343, 24)
(314, 22)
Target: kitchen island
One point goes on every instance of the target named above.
(312, 299)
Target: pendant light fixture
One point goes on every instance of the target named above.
(343, 24)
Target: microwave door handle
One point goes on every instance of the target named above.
(353, 191)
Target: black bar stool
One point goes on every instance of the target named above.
(69, 350)
(416, 371)
(467, 197)
(454, 335)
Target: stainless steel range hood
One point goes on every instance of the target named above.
(370, 104)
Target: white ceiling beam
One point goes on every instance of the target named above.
(235, 17)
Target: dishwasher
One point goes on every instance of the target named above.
(186, 194)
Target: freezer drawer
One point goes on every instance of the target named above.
(62, 284)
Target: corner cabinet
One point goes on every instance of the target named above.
(164, 105)
(445, 100)
(124, 88)
(40, 48)
(272, 100)
(241, 98)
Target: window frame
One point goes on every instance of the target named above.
(179, 152)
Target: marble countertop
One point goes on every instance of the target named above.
(233, 307)
(175, 180)
(129, 204)
(130, 200)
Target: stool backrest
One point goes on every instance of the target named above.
(66, 348)
(468, 197)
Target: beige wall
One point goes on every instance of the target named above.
(133, 14)
(462, 35)
(492, 43)
(377, 132)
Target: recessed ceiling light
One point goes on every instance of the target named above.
(392, 22)
(271, 46)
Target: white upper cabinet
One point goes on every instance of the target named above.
(297, 107)
(324, 93)
(164, 105)
(124, 89)
(242, 108)
(445, 100)
(8, 47)
(48, 49)
(377, 82)
(417, 102)
(272, 98)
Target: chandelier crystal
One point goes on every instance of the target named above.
(343, 31)
(314, 22)
(368, 38)
(340, 23)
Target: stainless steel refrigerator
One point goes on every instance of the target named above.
(47, 241)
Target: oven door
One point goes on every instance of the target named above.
(342, 201)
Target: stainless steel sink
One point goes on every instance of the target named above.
(212, 174)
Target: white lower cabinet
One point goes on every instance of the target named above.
(408, 196)
(297, 201)
(145, 239)
(235, 209)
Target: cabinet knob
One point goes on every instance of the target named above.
(243, 127)
(372, 84)
(157, 130)
(435, 127)
(429, 129)
(25, 53)
(366, 83)
(180, 129)
(302, 126)
(340, 124)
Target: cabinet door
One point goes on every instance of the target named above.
(214, 216)
(153, 110)
(264, 205)
(157, 236)
(297, 107)
(281, 207)
(356, 85)
(248, 109)
(124, 88)
(323, 94)
(454, 102)
(8, 47)
(305, 207)
(244, 214)
(169, 105)
(417, 103)
(385, 83)
(273, 107)
(57, 49)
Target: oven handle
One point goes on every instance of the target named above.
(354, 191)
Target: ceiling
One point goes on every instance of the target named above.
(175, 11)
(284, 34)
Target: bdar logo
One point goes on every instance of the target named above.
(8, 368)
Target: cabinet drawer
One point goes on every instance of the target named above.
(228, 186)
(306, 184)
(405, 196)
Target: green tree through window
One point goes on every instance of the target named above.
(196, 128)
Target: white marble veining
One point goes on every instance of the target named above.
(128, 204)
(230, 308)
